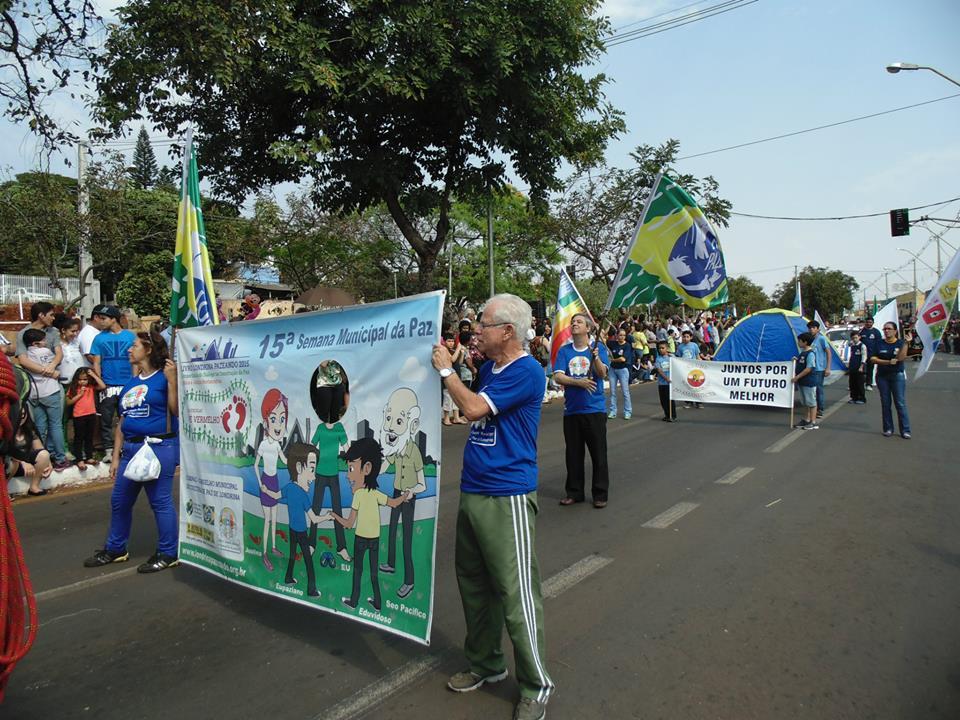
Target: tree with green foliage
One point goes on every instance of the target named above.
(403, 103)
(595, 218)
(828, 291)
(144, 171)
(746, 295)
(146, 287)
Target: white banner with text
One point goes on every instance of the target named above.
(732, 383)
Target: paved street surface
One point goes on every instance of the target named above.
(741, 570)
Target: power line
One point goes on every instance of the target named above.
(657, 28)
(819, 127)
(617, 31)
(840, 217)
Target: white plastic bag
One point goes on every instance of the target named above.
(144, 466)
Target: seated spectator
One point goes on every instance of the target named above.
(29, 459)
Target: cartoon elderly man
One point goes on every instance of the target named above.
(401, 421)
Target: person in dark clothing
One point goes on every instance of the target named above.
(856, 365)
(871, 337)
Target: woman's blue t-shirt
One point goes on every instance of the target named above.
(143, 406)
(888, 351)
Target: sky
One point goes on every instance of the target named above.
(770, 68)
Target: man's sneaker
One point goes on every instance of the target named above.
(870, 388)
(851, 402)
(811, 426)
(905, 436)
(529, 709)
(404, 590)
(466, 681)
(105, 557)
(860, 402)
(887, 433)
(802, 424)
(158, 562)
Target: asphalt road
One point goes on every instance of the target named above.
(822, 580)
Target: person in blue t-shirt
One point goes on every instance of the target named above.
(661, 368)
(804, 369)
(821, 352)
(109, 355)
(689, 350)
(148, 407)
(495, 558)
(581, 367)
(892, 380)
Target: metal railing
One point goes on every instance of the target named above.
(31, 288)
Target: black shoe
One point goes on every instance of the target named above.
(313, 593)
(158, 562)
(374, 605)
(105, 557)
(349, 603)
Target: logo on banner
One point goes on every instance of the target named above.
(935, 314)
(696, 378)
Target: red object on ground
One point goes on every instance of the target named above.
(18, 606)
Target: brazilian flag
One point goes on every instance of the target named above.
(675, 256)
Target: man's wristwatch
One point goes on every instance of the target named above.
(445, 373)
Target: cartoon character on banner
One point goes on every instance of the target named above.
(274, 410)
(329, 395)
(364, 459)
(401, 426)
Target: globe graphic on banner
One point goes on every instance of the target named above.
(695, 262)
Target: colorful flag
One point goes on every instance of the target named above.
(193, 300)
(569, 303)
(797, 300)
(876, 306)
(935, 314)
(675, 256)
(823, 323)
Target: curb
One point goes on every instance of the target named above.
(71, 477)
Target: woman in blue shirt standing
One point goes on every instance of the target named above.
(148, 407)
(891, 378)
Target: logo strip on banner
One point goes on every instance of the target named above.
(732, 383)
(310, 458)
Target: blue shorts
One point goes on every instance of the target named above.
(808, 395)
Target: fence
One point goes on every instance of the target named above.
(30, 288)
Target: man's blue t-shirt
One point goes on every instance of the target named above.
(114, 361)
(871, 337)
(143, 406)
(576, 364)
(501, 454)
(821, 352)
(688, 351)
(298, 502)
(662, 362)
(806, 359)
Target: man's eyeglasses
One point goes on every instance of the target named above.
(484, 326)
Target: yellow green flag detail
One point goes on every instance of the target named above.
(675, 256)
(193, 300)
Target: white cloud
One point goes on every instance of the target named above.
(412, 371)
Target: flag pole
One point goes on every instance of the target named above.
(626, 255)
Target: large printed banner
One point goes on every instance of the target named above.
(732, 383)
(310, 458)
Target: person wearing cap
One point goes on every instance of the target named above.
(109, 355)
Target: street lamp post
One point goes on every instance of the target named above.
(896, 67)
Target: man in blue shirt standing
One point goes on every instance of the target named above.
(581, 367)
(821, 351)
(111, 361)
(495, 561)
(871, 337)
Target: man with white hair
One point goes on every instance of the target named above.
(495, 561)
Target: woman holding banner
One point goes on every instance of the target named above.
(891, 378)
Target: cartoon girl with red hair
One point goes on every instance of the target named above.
(274, 412)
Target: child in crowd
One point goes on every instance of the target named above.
(451, 413)
(857, 364)
(646, 368)
(82, 401)
(45, 405)
(662, 370)
(803, 377)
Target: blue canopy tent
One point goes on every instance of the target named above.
(770, 336)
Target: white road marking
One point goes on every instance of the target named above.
(566, 579)
(794, 434)
(68, 615)
(774, 502)
(668, 517)
(411, 672)
(84, 584)
(951, 364)
(736, 474)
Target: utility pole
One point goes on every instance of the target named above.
(886, 286)
(450, 272)
(83, 210)
(914, 279)
(490, 243)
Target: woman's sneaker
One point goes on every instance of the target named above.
(158, 562)
(105, 557)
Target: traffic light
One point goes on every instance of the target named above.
(900, 222)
